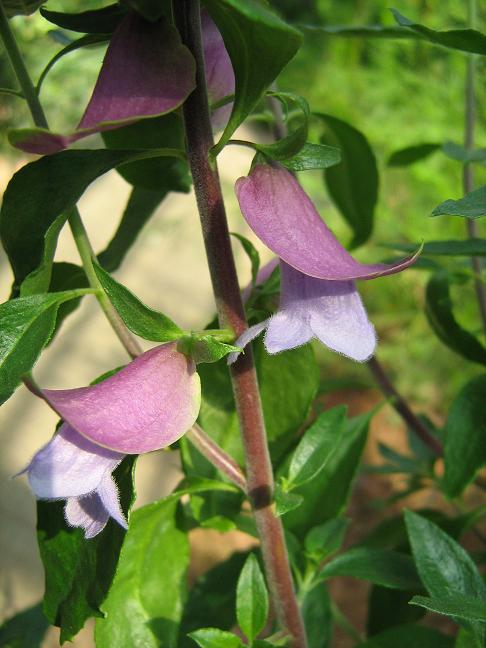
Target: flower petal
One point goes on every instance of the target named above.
(263, 274)
(70, 466)
(220, 77)
(88, 513)
(146, 71)
(282, 215)
(108, 494)
(147, 405)
(245, 338)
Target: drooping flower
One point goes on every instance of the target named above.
(146, 72)
(318, 294)
(146, 406)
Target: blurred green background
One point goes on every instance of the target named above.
(398, 93)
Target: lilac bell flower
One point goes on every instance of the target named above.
(318, 296)
(146, 406)
(146, 72)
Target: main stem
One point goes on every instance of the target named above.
(467, 174)
(231, 315)
(76, 224)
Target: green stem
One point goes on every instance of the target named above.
(76, 224)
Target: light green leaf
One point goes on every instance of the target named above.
(145, 603)
(285, 501)
(465, 436)
(251, 599)
(352, 184)
(467, 247)
(215, 638)
(460, 607)
(379, 566)
(204, 348)
(259, 44)
(465, 40)
(313, 156)
(315, 605)
(27, 324)
(140, 319)
(326, 539)
(472, 205)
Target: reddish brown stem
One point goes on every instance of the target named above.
(231, 315)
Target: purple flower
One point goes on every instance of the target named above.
(318, 298)
(146, 72)
(147, 405)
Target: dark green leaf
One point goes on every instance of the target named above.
(146, 600)
(409, 635)
(444, 566)
(461, 154)
(465, 436)
(360, 31)
(214, 638)
(352, 184)
(411, 154)
(388, 608)
(212, 599)
(162, 173)
(20, 7)
(326, 539)
(251, 599)
(379, 566)
(252, 254)
(259, 44)
(24, 630)
(465, 40)
(140, 207)
(327, 494)
(439, 311)
(96, 21)
(79, 572)
(36, 204)
(140, 319)
(472, 205)
(84, 41)
(461, 607)
(313, 156)
(150, 9)
(315, 605)
(27, 324)
(316, 446)
(468, 247)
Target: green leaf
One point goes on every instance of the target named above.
(166, 131)
(37, 201)
(251, 599)
(388, 608)
(252, 254)
(84, 41)
(214, 638)
(145, 603)
(315, 605)
(379, 566)
(313, 156)
(472, 205)
(285, 501)
(462, 154)
(325, 539)
(316, 446)
(408, 635)
(460, 607)
(326, 496)
(468, 247)
(79, 572)
(445, 568)
(412, 154)
(440, 314)
(360, 31)
(212, 599)
(20, 7)
(141, 205)
(352, 184)
(204, 348)
(150, 9)
(27, 324)
(465, 437)
(95, 21)
(26, 629)
(465, 40)
(259, 44)
(140, 319)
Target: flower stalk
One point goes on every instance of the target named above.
(231, 314)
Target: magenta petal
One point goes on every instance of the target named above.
(69, 466)
(282, 215)
(146, 72)
(88, 513)
(147, 405)
(220, 77)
